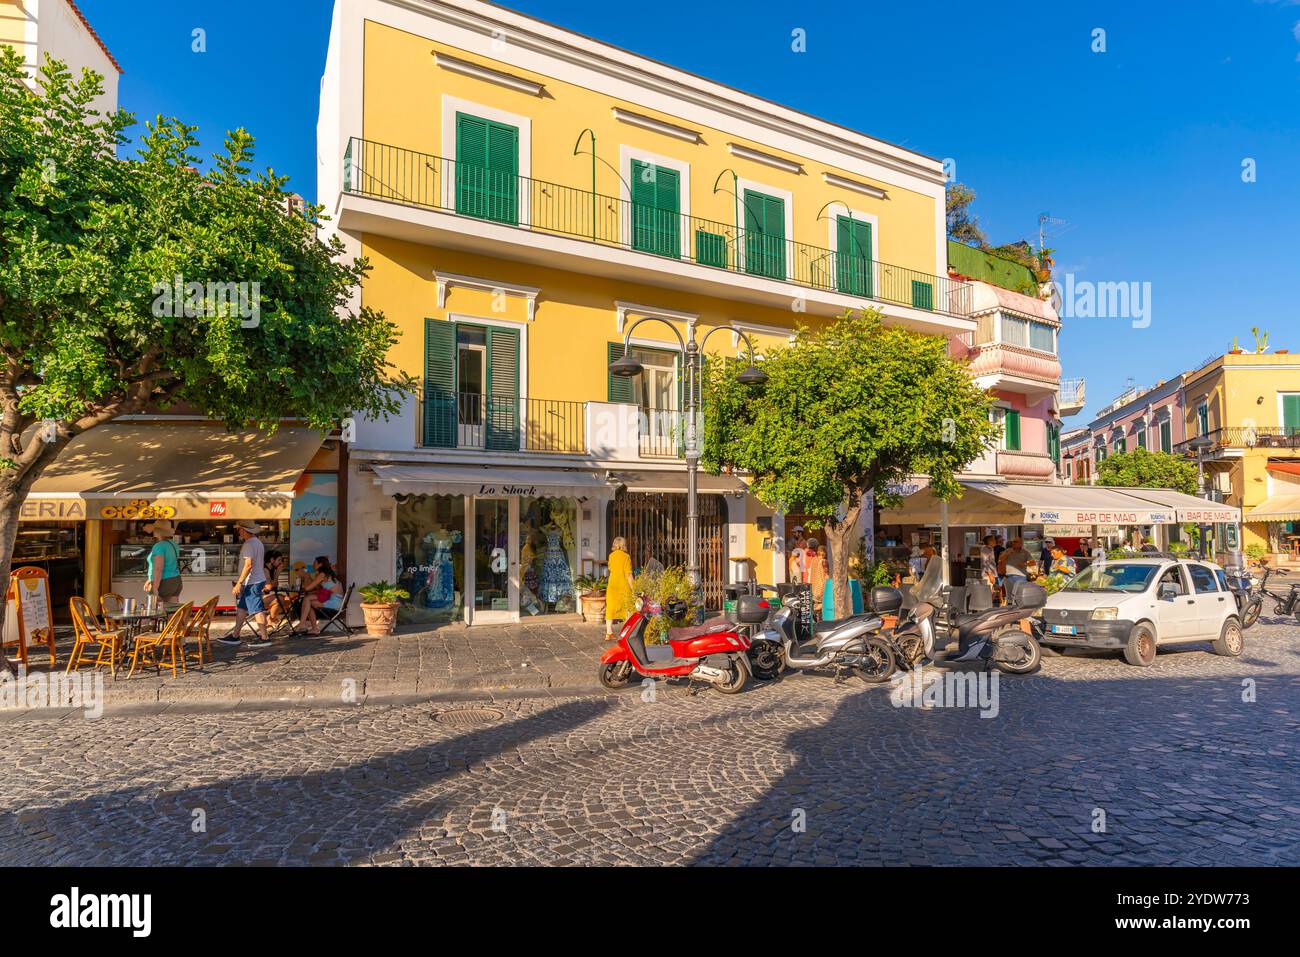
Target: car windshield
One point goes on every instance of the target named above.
(1108, 577)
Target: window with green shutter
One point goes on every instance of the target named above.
(853, 256)
(1142, 439)
(1166, 437)
(487, 169)
(1203, 418)
(439, 410)
(1054, 444)
(1011, 430)
(1291, 413)
(656, 209)
(764, 235)
(503, 400)
(710, 249)
(922, 294)
(619, 387)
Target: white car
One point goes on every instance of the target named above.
(1140, 604)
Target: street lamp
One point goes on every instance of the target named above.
(627, 366)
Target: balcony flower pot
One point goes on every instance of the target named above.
(379, 602)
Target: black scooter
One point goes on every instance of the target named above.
(995, 637)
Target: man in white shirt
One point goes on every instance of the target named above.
(248, 586)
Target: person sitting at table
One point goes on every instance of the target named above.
(278, 603)
(322, 590)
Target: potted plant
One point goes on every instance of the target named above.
(379, 601)
(591, 596)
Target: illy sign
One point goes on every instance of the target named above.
(217, 509)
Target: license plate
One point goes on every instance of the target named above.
(1064, 630)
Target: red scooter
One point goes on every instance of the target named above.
(714, 653)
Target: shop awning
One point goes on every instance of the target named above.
(1276, 508)
(1187, 508)
(141, 469)
(647, 480)
(1027, 503)
(494, 480)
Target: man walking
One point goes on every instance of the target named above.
(248, 587)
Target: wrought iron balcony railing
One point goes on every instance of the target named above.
(380, 171)
(1243, 437)
(502, 423)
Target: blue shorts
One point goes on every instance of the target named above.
(250, 598)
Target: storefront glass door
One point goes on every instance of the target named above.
(495, 587)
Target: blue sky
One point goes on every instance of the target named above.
(1139, 148)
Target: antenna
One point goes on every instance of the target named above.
(1045, 220)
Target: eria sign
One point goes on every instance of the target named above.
(217, 509)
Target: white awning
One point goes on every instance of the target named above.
(648, 480)
(1187, 508)
(1276, 508)
(492, 480)
(1027, 503)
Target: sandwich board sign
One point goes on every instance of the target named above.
(30, 588)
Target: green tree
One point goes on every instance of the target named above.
(1143, 469)
(963, 225)
(91, 249)
(856, 407)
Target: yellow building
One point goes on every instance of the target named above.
(1243, 414)
(59, 28)
(523, 194)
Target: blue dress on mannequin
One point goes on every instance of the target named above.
(557, 579)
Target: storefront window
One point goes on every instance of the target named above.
(548, 554)
(430, 557)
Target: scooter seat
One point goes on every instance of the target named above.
(686, 632)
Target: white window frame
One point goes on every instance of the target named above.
(787, 199)
(626, 154)
(451, 105)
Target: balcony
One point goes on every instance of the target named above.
(502, 423)
(1072, 397)
(541, 220)
(1017, 369)
(661, 434)
(1244, 437)
(1032, 466)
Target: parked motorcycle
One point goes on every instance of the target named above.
(995, 636)
(713, 653)
(913, 636)
(852, 645)
(1250, 599)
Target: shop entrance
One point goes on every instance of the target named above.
(493, 583)
(654, 525)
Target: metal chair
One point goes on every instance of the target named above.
(338, 619)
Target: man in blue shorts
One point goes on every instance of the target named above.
(248, 587)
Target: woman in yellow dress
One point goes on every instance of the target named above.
(618, 594)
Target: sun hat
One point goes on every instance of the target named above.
(162, 527)
(251, 527)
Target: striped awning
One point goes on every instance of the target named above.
(1277, 508)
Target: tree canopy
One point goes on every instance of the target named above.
(1144, 469)
(855, 407)
(136, 283)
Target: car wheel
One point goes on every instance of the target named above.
(1230, 642)
(1141, 648)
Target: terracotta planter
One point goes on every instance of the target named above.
(381, 619)
(593, 607)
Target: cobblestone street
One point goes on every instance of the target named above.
(1182, 768)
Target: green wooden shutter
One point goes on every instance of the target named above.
(1166, 437)
(503, 398)
(853, 256)
(922, 294)
(710, 249)
(1011, 429)
(439, 383)
(1291, 413)
(620, 387)
(656, 209)
(487, 169)
(764, 235)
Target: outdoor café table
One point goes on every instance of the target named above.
(132, 623)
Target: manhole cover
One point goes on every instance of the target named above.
(462, 717)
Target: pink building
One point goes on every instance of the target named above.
(1139, 419)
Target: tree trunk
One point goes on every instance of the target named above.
(10, 506)
(838, 537)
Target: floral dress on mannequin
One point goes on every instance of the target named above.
(557, 578)
(441, 591)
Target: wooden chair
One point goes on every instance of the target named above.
(110, 603)
(87, 629)
(200, 625)
(168, 644)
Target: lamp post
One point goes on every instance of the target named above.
(691, 354)
(1201, 443)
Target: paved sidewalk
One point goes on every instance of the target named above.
(529, 655)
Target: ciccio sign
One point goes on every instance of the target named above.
(137, 509)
